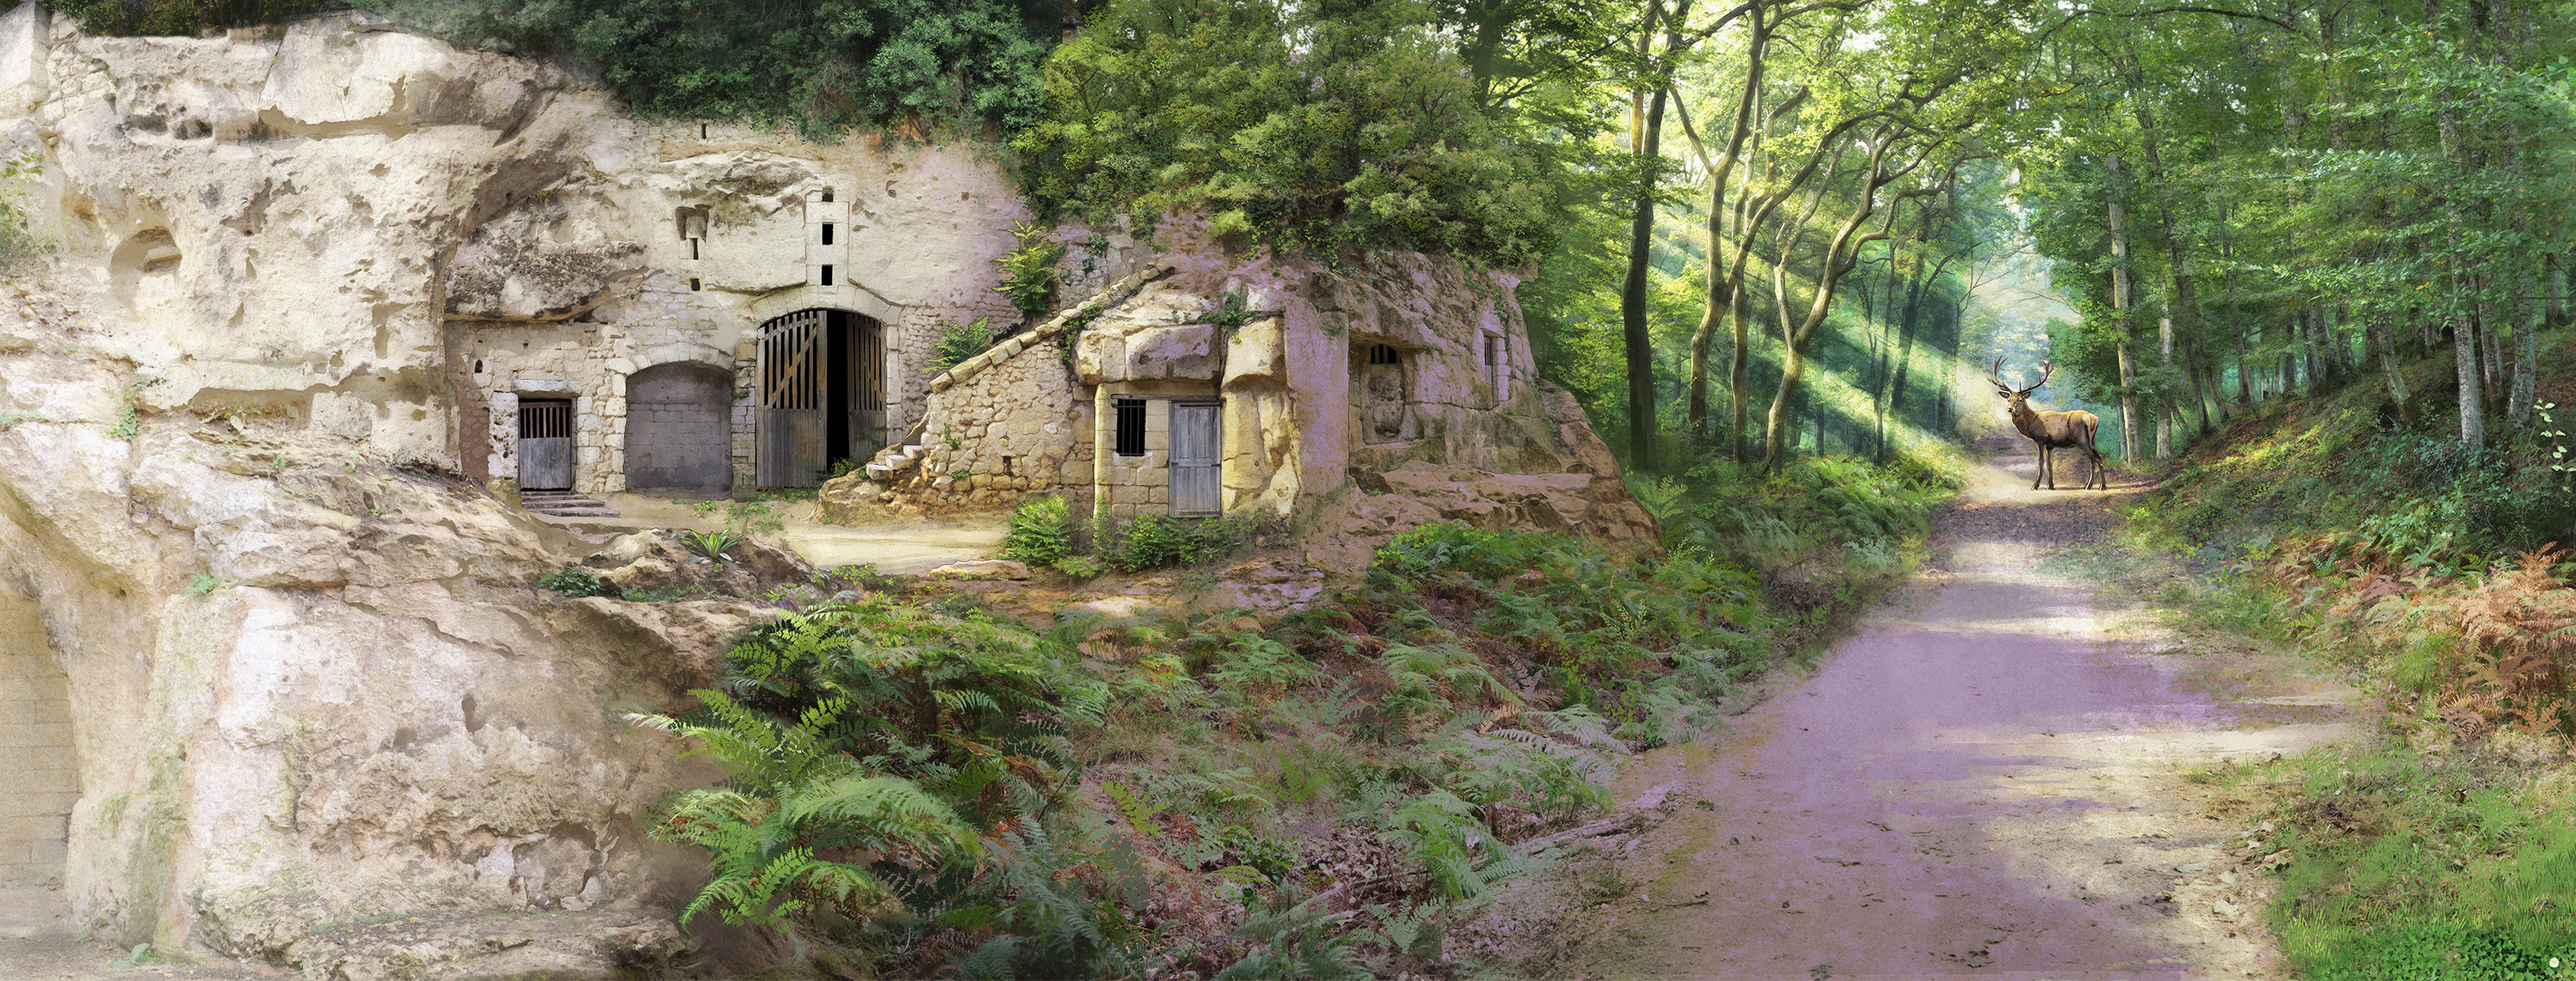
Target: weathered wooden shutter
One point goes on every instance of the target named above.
(1196, 438)
(788, 445)
(545, 445)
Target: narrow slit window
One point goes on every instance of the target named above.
(693, 248)
(702, 131)
(827, 275)
(1131, 427)
(827, 233)
(693, 284)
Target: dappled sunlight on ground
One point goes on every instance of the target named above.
(1987, 779)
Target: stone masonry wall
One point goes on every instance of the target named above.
(1021, 427)
(36, 763)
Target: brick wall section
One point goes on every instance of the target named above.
(36, 763)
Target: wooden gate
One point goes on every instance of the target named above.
(1196, 439)
(788, 450)
(867, 388)
(545, 444)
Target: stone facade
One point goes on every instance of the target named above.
(1324, 380)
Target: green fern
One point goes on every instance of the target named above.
(796, 797)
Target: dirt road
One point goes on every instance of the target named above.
(1988, 779)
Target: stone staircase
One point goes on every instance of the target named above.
(565, 504)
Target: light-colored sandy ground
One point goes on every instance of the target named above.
(903, 546)
(38, 942)
(1986, 780)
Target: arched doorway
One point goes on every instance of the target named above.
(822, 395)
(678, 434)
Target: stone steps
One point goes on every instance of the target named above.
(565, 504)
(893, 462)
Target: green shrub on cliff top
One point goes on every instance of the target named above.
(1314, 124)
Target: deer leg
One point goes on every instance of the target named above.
(2041, 471)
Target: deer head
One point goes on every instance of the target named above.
(2017, 399)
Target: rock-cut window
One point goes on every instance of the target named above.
(1131, 427)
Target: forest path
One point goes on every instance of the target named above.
(1987, 779)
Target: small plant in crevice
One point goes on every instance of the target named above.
(742, 520)
(710, 545)
(1028, 272)
(958, 342)
(573, 580)
(1229, 314)
(200, 584)
(129, 411)
(19, 242)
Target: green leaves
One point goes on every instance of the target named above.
(1285, 123)
(823, 66)
(1028, 272)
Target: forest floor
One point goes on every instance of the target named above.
(2004, 772)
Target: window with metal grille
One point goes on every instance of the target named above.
(550, 419)
(1131, 427)
(1384, 354)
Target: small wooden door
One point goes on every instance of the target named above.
(545, 444)
(1197, 437)
(788, 451)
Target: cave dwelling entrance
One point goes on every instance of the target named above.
(822, 380)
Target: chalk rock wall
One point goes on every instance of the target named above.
(246, 413)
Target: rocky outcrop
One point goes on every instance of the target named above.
(309, 681)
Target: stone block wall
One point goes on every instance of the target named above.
(36, 762)
(1133, 485)
(1021, 427)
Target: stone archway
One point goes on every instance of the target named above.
(679, 430)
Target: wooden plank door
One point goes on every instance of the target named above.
(789, 430)
(545, 444)
(867, 388)
(1196, 439)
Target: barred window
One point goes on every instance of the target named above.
(1131, 427)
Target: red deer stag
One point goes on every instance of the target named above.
(2050, 430)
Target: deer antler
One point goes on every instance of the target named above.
(1995, 374)
(2046, 368)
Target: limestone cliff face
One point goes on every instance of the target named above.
(301, 675)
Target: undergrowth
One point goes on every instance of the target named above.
(923, 788)
(2427, 570)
